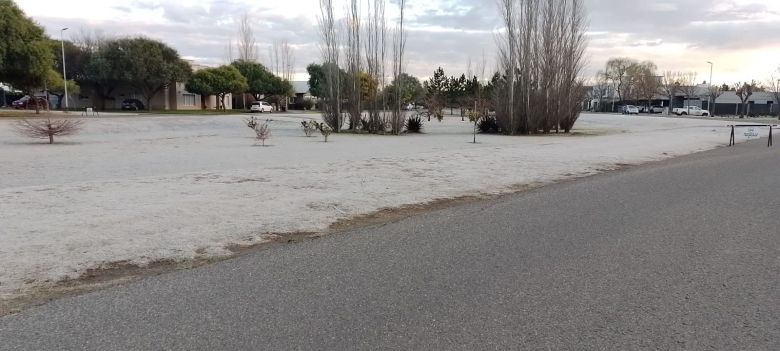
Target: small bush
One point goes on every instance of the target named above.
(414, 124)
(308, 104)
(251, 122)
(263, 132)
(309, 127)
(488, 125)
(324, 129)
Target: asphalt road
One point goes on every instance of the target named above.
(683, 254)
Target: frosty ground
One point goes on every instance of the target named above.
(143, 189)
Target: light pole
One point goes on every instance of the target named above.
(64, 75)
(709, 105)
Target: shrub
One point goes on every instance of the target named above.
(308, 104)
(251, 122)
(414, 124)
(309, 127)
(47, 128)
(488, 125)
(324, 129)
(263, 132)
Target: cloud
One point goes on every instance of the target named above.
(676, 34)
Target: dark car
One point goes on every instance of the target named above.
(28, 103)
(132, 105)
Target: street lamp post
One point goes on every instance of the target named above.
(64, 75)
(711, 100)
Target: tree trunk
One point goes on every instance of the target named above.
(51, 139)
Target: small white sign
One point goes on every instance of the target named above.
(752, 133)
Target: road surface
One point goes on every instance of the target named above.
(683, 254)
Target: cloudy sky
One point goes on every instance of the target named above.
(739, 36)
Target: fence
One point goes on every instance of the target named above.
(733, 138)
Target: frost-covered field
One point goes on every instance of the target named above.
(140, 189)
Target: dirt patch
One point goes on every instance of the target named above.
(123, 272)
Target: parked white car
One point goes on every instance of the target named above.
(630, 110)
(656, 109)
(261, 106)
(691, 110)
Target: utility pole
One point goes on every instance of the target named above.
(711, 100)
(64, 75)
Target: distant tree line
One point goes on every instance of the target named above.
(29, 61)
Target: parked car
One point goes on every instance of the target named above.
(29, 103)
(261, 106)
(630, 110)
(132, 105)
(691, 110)
(656, 109)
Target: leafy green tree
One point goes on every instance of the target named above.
(260, 81)
(200, 83)
(316, 79)
(150, 66)
(25, 57)
(435, 93)
(76, 58)
(218, 81)
(411, 90)
(55, 85)
(103, 72)
(281, 89)
(456, 88)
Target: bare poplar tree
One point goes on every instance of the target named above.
(508, 54)
(398, 117)
(330, 48)
(354, 60)
(246, 43)
(374, 51)
(541, 56)
(281, 57)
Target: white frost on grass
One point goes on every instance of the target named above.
(142, 189)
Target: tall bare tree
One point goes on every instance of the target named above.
(354, 64)
(617, 71)
(646, 82)
(773, 86)
(376, 28)
(508, 55)
(330, 48)
(541, 56)
(281, 57)
(600, 89)
(398, 117)
(688, 86)
(670, 86)
(246, 43)
(744, 92)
